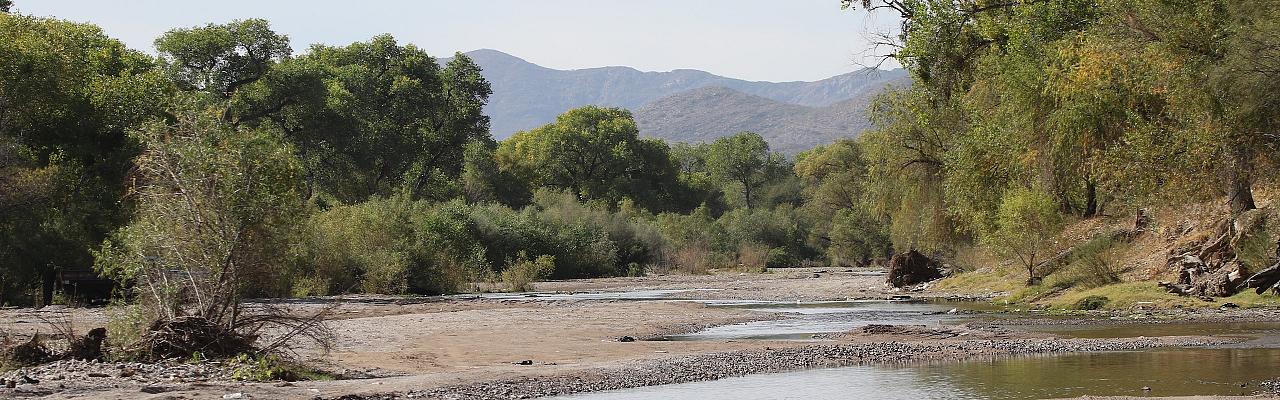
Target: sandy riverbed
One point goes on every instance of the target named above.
(465, 347)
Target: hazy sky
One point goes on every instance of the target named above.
(773, 40)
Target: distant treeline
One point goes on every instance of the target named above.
(367, 167)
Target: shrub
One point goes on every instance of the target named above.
(393, 245)
(522, 271)
(753, 258)
(1025, 220)
(1092, 302)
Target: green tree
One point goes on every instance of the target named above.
(587, 150)
(221, 58)
(1025, 222)
(1222, 84)
(68, 95)
(217, 206)
(743, 159)
(835, 178)
(393, 119)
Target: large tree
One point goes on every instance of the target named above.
(221, 58)
(587, 150)
(68, 96)
(743, 159)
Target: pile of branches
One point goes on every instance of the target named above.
(1266, 279)
(187, 335)
(37, 350)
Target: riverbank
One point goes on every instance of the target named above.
(577, 337)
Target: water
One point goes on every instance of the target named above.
(804, 320)
(1169, 372)
(650, 294)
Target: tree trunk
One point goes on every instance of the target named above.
(1240, 181)
(1240, 194)
(746, 191)
(1091, 198)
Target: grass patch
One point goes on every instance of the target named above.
(1126, 296)
(982, 282)
(1249, 299)
(1092, 303)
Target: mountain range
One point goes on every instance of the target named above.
(684, 105)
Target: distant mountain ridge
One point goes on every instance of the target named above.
(527, 95)
(702, 115)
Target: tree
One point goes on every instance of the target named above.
(1025, 222)
(587, 150)
(1223, 81)
(68, 95)
(743, 159)
(835, 202)
(221, 58)
(5, 5)
(393, 119)
(216, 205)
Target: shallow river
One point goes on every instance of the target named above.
(1229, 370)
(1170, 372)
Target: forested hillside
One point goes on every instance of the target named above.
(1025, 116)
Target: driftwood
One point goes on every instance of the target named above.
(1268, 278)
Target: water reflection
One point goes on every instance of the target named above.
(807, 319)
(1171, 372)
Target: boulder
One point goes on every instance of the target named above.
(912, 268)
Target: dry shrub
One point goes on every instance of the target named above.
(692, 260)
(216, 205)
(76, 346)
(14, 354)
(753, 258)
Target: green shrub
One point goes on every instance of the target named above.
(393, 245)
(1092, 302)
(1026, 219)
(522, 271)
(272, 368)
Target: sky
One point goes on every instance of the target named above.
(768, 40)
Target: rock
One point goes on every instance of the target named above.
(523, 362)
(1225, 306)
(29, 380)
(98, 375)
(627, 339)
(154, 389)
(230, 396)
(912, 268)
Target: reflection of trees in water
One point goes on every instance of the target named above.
(1167, 372)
